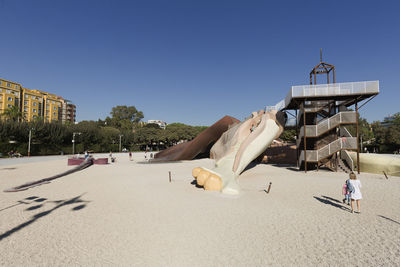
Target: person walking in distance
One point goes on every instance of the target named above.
(346, 191)
(356, 192)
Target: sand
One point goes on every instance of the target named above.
(128, 214)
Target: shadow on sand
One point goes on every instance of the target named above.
(333, 202)
(194, 182)
(59, 204)
(389, 219)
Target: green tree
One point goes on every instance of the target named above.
(12, 113)
(288, 135)
(396, 119)
(379, 133)
(124, 117)
(126, 113)
(109, 138)
(147, 135)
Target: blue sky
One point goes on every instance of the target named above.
(196, 61)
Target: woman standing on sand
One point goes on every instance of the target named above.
(356, 193)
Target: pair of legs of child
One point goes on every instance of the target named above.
(358, 205)
(347, 199)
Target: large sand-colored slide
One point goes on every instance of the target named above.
(236, 148)
(200, 144)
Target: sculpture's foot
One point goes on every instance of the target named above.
(208, 179)
(216, 180)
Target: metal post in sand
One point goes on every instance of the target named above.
(269, 187)
(169, 176)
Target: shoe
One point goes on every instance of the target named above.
(352, 211)
(344, 200)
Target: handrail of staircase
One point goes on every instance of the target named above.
(345, 133)
(343, 145)
(328, 121)
(344, 155)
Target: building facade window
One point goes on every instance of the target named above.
(54, 114)
(34, 104)
(25, 109)
(10, 98)
(55, 108)
(34, 110)
(8, 91)
(9, 105)
(8, 84)
(25, 102)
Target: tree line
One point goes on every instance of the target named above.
(125, 124)
(96, 136)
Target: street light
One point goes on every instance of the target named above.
(73, 141)
(29, 142)
(120, 142)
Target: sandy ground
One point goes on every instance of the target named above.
(128, 214)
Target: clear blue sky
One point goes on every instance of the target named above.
(196, 61)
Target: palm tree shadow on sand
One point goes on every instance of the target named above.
(333, 202)
(59, 204)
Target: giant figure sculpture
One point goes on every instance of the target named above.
(200, 144)
(236, 148)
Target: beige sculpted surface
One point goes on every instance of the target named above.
(236, 148)
(378, 163)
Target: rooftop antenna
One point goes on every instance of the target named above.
(320, 54)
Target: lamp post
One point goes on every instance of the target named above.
(29, 142)
(120, 136)
(73, 141)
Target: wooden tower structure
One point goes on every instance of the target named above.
(324, 112)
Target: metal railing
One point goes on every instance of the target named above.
(335, 89)
(344, 132)
(331, 89)
(327, 124)
(331, 148)
(344, 155)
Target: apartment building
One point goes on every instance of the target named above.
(160, 123)
(53, 107)
(68, 112)
(32, 104)
(10, 94)
(35, 104)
